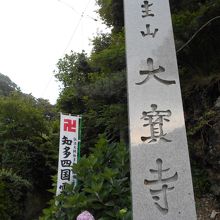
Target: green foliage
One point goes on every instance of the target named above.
(112, 57)
(99, 96)
(111, 11)
(13, 194)
(202, 122)
(73, 72)
(27, 148)
(191, 5)
(103, 186)
(199, 71)
(26, 159)
(20, 118)
(199, 101)
(101, 42)
(6, 85)
(73, 69)
(201, 183)
(201, 55)
(24, 138)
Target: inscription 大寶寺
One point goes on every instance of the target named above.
(148, 31)
(152, 72)
(163, 206)
(146, 9)
(155, 121)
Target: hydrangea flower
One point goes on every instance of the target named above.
(85, 216)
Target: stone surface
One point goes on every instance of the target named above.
(160, 169)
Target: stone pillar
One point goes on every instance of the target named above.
(160, 168)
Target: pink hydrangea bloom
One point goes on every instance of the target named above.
(85, 216)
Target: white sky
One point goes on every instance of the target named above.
(34, 34)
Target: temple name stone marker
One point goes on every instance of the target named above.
(160, 168)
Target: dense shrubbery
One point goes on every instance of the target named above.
(28, 154)
(13, 195)
(103, 186)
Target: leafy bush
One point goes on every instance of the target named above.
(201, 182)
(102, 189)
(13, 193)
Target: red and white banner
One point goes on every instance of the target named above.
(68, 150)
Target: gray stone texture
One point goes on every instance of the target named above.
(160, 168)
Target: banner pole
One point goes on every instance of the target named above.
(80, 136)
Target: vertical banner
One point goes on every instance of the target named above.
(160, 169)
(68, 150)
